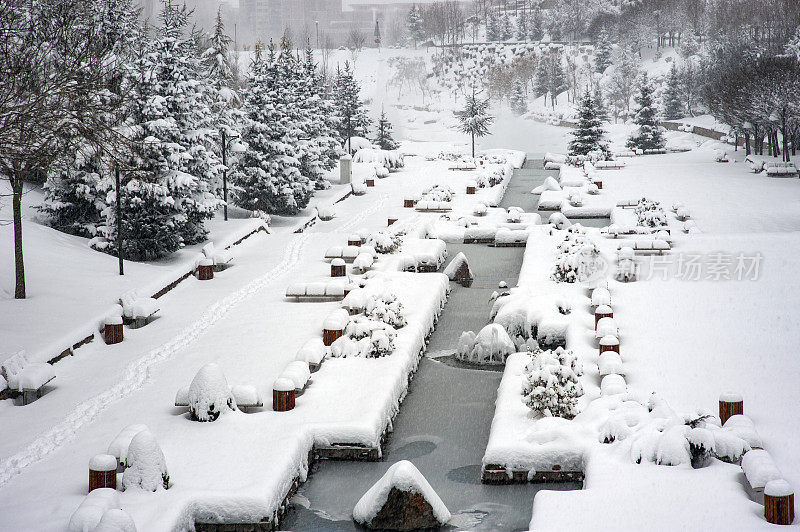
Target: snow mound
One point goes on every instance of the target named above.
(209, 394)
(145, 467)
(115, 520)
(549, 184)
(90, 512)
(403, 476)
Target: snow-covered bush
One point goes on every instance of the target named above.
(650, 214)
(490, 346)
(391, 159)
(578, 259)
(365, 338)
(438, 193)
(551, 385)
(145, 466)
(385, 241)
(209, 394)
(385, 308)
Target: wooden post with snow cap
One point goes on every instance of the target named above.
(354, 240)
(730, 404)
(609, 343)
(408, 202)
(778, 502)
(471, 188)
(603, 311)
(103, 472)
(205, 270)
(333, 326)
(338, 268)
(390, 221)
(370, 181)
(112, 329)
(283, 395)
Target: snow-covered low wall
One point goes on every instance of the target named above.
(524, 448)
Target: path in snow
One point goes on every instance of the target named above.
(138, 372)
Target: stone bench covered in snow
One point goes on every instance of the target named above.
(428, 254)
(609, 165)
(655, 245)
(25, 379)
(759, 468)
(222, 257)
(331, 291)
(137, 311)
(299, 373)
(245, 395)
(511, 238)
(433, 206)
(479, 234)
(625, 204)
(778, 169)
(346, 253)
(314, 352)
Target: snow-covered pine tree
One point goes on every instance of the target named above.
(600, 104)
(415, 25)
(602, 52)
(76, 189)
(475, 118)
(649, 136)
(325, 147)
(518, 100)
(493, 29)
(383, 133)
(506, 27)
(350, 111)
(589, 135)
(536, 25)
(522, 26)
(556, 79)
(672, 101)
(267, 175)
(540, 78)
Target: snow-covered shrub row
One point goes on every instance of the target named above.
(365, 338)
(650, 214)
(490, 177)
(578, 258)
(438, 193)
(490, 346)
(655, 433)
(551, 385)
(391, 159)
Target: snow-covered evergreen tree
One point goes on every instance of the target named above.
(672, 101)
(350, 111)
(536, 25)
(474, 118)
(267, 176)
(649, 136)
(602, 52)
(383, 133)
(493, 30)
(522, 26)
(506, 27)
(551, 385)
(540, 78)
(600, 104)
(76, 189)
(145, 465)
(589, 135)
(415, 25)
(518, 99)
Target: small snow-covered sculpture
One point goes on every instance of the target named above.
(458, 270)
(491, 346)
(401, 500)
(209, 394)
(145, 467)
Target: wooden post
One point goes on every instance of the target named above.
(730, 404)
(205, 270)
(112, 330)
(338, 268)
(370, 182)
(283, 395)
(470, 189)
(103, 472)
(330, 335)
(354, 240)
(599, 184)
(609, 343)
(408, 203)
(778, 502)
(602, 311)
(390, 221)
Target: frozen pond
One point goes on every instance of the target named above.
(443, 424)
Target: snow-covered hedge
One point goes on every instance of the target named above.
(551, 385)
(578, 258)
(386, 308)
(650, 214)
(365, 338)
(391, 159)
(385, 241)
(438, 193)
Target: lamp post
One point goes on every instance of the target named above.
(316, 24)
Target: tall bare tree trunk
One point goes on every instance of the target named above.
(19, 262)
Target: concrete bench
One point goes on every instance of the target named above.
(329, 291)
(780, 169)
(626, 204)
(346, 253)
(609, 165)
(137, 311)
(433, 206)
(26, 379)
(647, 245)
